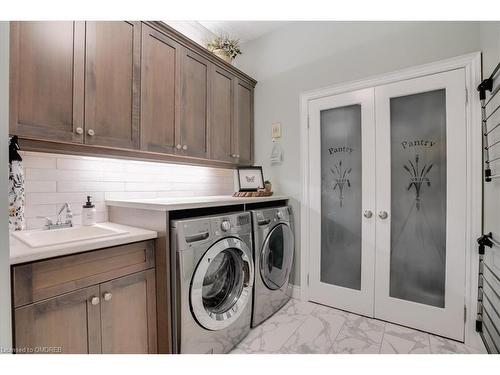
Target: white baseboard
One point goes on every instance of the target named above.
(295, 291)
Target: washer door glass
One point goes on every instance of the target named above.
(277, 256)
(222, 284)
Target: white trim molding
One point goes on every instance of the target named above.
(5, 310)
(471, 63)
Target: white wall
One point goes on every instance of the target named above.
(51, 180)
(193, 30)
(5, 319)
(309, 55)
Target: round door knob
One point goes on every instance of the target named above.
(107, 296)
(185, 147)
(79, 130)
(90, 132)
(225, 225)
(383, 215)
(368, 214)
(94, 301)
(178, 147)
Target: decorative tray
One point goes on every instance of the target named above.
(259, 193)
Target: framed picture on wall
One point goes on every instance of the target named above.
(250, 178)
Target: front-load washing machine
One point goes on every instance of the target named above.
(273, 257)
(213, 282)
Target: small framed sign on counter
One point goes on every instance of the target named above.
(250, 178)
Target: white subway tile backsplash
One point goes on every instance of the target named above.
(88, 165)
(52, 180)
(61, 198)
(149, 186)
(39, 186)
(38, 161)
(70, 186)
(62, 175)
(130, 195)
(41, 210)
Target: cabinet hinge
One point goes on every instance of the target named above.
(307, 279)
(466, 95)
(465, 313)
(307, 122)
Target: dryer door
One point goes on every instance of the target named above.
(277, 256)
(222, 284)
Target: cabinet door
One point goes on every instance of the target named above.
(112, 82)
(243, 141)
(160, 83)
(68, 324)
(46, 80)
(194, 106)
(128, 314)
(222, 116)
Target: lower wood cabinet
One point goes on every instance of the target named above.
(114, 316)
(65, 324)
(128, 314)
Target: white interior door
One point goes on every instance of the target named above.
(342, 198)
(421, 203)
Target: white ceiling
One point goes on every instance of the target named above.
(243, 30)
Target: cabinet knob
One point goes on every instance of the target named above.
(233, 155)
(79, 130)
(185, 147)
(107, 296)
(91, 132)
(94, 301)
(383, 215)
(237, 156)
(178, 147)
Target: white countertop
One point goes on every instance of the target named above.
(183, 203)
(21, 253)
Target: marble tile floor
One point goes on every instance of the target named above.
(308, 328)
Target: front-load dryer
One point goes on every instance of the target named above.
(273, 257)
(213, 284)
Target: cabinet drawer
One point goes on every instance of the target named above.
(48, 278)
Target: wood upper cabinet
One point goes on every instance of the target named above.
(112, 83)
(46, 80)
(128, 313)
(160, 91)
(133, 89)
(222, 116)
(243, 134)
(68, 324)
(194, 105)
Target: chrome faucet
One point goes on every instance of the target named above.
(69, 216)
(59, 224)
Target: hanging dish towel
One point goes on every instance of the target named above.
(16, 187)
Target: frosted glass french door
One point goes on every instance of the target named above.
(387, 197)
(342, 198)
(421, 210)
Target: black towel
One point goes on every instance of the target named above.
(13, 148)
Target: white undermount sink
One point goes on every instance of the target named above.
(52, 237)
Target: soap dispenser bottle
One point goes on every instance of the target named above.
(88, 212)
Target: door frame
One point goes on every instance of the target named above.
(471, 63)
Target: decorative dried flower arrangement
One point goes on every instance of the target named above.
(225, 47)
